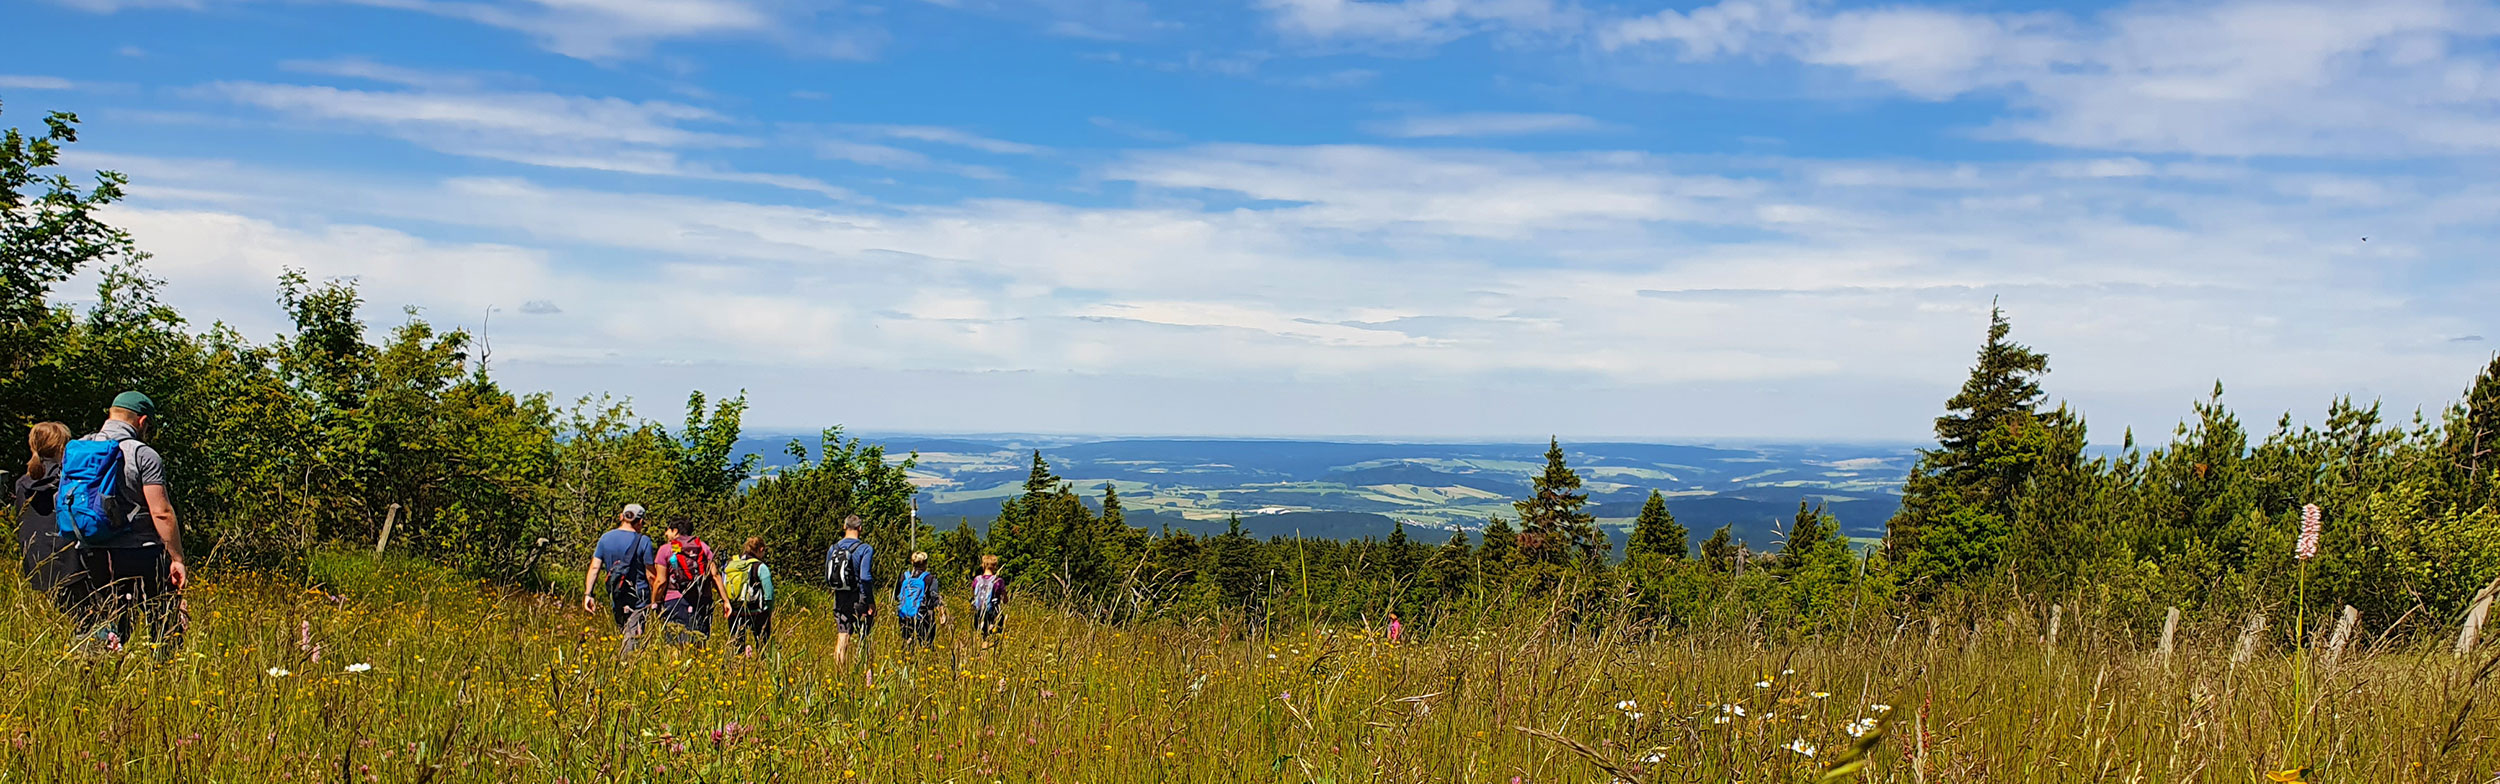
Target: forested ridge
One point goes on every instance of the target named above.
(320, 436)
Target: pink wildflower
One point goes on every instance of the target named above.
(2311, 522)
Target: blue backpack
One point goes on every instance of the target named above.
(914, 593)
(91, 481)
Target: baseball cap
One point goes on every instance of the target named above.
(633, 511)
(135, 402)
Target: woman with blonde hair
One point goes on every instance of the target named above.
(47, 561)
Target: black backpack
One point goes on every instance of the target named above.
(841, 570)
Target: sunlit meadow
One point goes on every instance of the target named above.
(398, 673)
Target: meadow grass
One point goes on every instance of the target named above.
(475, 683)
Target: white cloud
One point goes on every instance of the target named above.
(538, 129)
(362, 68)
(603, 29)
(1421, 21)
(2233, 78)
(891, 157)
(949, 136)
(615, 29)
(1357, 270)
(28, 82)
(1485, 124)
(1136, 131)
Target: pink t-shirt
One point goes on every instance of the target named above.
(694, 548)
(1396, 631)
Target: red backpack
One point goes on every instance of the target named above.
(689, 569)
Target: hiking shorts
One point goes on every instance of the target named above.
(854, 614)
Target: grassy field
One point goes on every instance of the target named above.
(423, 678)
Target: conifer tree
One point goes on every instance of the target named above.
(1553, 527)
(1958, 505)
(1237, 572)
(1113, 516)
(2472, 439)
(1451, 568)
(1500, 556)
(1719, 551)
(1804, 534)
(1656, 533)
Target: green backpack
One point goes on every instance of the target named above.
(750, 582)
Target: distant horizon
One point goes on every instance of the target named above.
(1729, 221)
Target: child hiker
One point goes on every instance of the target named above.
(989, 591)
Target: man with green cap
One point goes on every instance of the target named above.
(136, 568)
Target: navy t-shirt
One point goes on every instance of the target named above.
(627, 554)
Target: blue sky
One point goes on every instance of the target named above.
(1424, 218)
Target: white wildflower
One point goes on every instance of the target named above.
(1822, 695)
(359, 667)
(1762, 684)
(278, 672)
(1880, 708)
(1800, 746)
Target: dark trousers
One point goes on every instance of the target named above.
(116, 586)
(750, 627)
(919, 630)
(52, 568)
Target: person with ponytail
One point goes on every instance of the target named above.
(46, 560)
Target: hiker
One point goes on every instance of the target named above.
(113, 503)
(46, 559)
(629, 563)
(916, 603)
(1397, 631)
(749, 583)
(989, 594)
(692, 582)
(854, 591)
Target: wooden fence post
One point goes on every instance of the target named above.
(2169, 633)
(2057, 614)
(2343, 636)
(2248, 639)
(388, 520)
(2474, 619)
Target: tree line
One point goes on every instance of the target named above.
(323, 435)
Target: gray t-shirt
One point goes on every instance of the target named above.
(141, 466)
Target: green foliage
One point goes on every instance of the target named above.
(49, 228)
(1656, 533)
(1554, 529)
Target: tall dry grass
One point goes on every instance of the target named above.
(469, 683)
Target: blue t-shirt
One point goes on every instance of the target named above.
(861, 555)
(627, 554)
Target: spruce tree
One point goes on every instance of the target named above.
(1236, 573)
(1958, 505)
(1553, 527)
(1450, 569)
(1656, 533)
(1397, 553)
(1040, 481)
(1500, 557)
(1719, 551)
(2472, 439)
(1113, 516)
(1804, 533)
